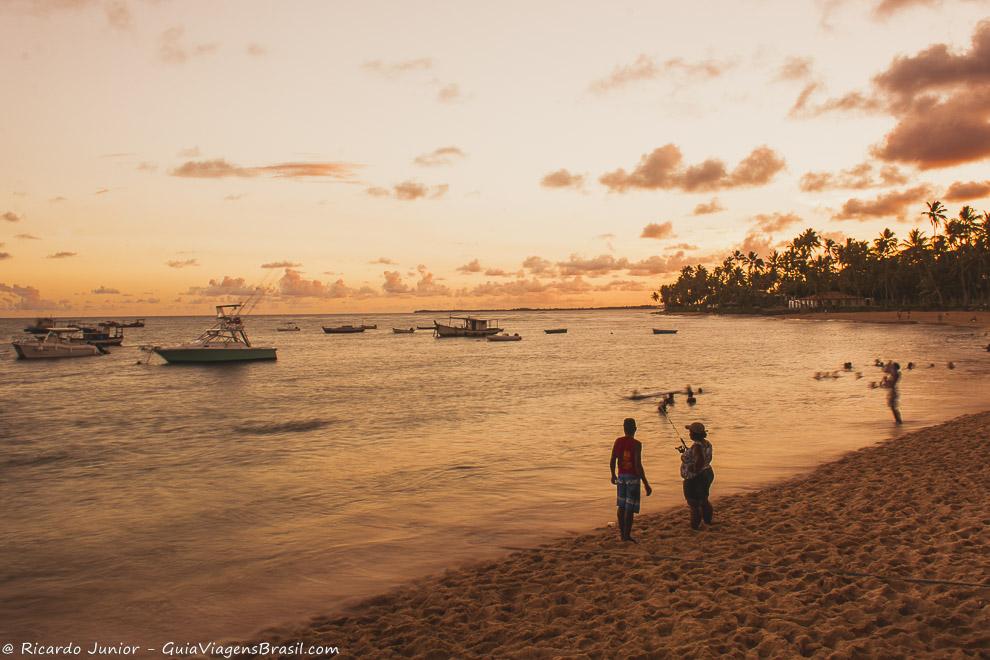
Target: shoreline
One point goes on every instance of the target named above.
(952, 318)
(880, 552)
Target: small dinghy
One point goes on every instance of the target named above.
(556, 331)
(403, 331)
(660, 331)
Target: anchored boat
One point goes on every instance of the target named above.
(659, 331)
(343, 329)
(466, 326)
(288, 326)
(403, 331)
(226, 341)
(43, 325)
(55, 344)
(103, 334)
(556, 331)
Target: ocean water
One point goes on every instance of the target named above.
(146, 503)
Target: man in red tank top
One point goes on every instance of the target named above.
(627, 453)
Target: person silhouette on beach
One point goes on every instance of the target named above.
(890, 380)
(697, 473)
(627, 453)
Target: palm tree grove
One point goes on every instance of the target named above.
(947, 269)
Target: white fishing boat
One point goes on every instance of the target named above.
(56, 344)
(466, 326)
(505, 337)
(226, 341)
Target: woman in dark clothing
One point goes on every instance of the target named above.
(696, 470)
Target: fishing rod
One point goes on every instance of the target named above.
(683, 446)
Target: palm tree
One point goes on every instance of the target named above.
(936, 214)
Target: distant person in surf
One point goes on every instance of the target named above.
(891, 380)
(697, 473)
(627, 454)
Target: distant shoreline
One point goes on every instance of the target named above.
(955, 318)
(532, 309)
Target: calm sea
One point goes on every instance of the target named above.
(147, 502)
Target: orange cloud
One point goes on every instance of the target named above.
(172, 49)
(773, 222)
(662, 169)
(795, 68)
(257, 50)
(646, 68)
(709, 207)
(426, 286)
(658, 230)
(15, 297)
(886, 8)
(595, 267)
(61, 255)
(657, 265)
(220, 168)
(449, 93)
(440, 156)
(228, 286)
(410, 191)
(894, 204)
(5, 255)
(106, 291)
(562, 179)
(683, 246)
(539, 266)
(182, 264)
(281, 264)
(859, 177)
(940, 99)
(967, 191)
(383, 260)
(27, 237)
(293, 284)
(473, 266)
(10, 216)
(393, 69)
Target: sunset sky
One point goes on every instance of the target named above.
(161, 156)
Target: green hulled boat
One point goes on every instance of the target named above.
(224, 342)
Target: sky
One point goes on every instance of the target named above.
(165, 156)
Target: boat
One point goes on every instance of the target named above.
(424, 327)
(660, 331)
(556, 331)
(373, 326)
(41, 326)
(137, 323)
(56, 343)
(103, 334)
(226, 341)
(343, 329)
(466, 326)
(403, 331)
(288, 326)
(505, 337)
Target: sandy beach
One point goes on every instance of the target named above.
(958, 318)
(882, 553)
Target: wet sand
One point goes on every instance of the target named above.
(978, 320)
(882, 553)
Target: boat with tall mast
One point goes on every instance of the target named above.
(226, 341)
